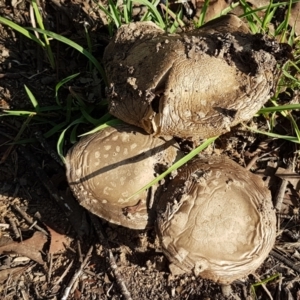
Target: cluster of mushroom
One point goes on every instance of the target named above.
(214, 217)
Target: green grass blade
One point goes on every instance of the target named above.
(289, 76)
(286, 23)
(176, 17)
(266, 280)
(155, 12)
(268, 16)
(32, 99)
(61, 83)
(275, 135)
(18, 113)
(105, 118)
(21, 30)
(278, 108)
(88, 117)
(69, 108)
(77, 47)
(89, 42)
(73, 135)
(102, 126)
(115, 13)
(39, 20)
(127, 6)
(61, 139)
(55, 129)
(253, 286)
(23, 141)
(291, 39)
(177, 165)
(295, 126)
(228, 9)
(108, 14)
(125, 11)
(203, 13)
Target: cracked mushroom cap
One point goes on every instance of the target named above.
(194, 84)
(105, 168)
(216, 219)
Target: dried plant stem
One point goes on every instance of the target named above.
(63, 275)
(28, 219)
(50, 258)
(252, 161)
(112, 261)
(80, 256)
(14, 228)
(76, 275)
(285, 261)
(282, 188)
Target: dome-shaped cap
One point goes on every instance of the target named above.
(216, 219)
(105, 168)
(194, 84)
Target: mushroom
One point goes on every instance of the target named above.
(195, 84)
(216, 219)
(106, 168)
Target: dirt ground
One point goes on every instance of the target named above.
(58, 244)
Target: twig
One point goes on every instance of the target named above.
(278, 294)
(79, 251)
(285, 261)
(60, 279)
(281, 190)
(252, 161)
(50, 256)
(28, 219)
(76, 275)
(14, 228)
(112, 261)
(75, 285)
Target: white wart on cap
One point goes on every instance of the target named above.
(106, 168)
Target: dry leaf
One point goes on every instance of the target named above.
(77, 294)
(31, 247)
(4, 274)
(57, 241)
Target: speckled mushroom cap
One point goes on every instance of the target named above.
(194, 84)
(105, 168)
(216, 219)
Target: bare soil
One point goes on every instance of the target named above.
(56, 239)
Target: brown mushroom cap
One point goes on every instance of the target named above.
(194, 84)
(106, 168)
(216, 219)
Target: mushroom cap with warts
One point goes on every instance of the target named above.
(106, 168)
(216, 219)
